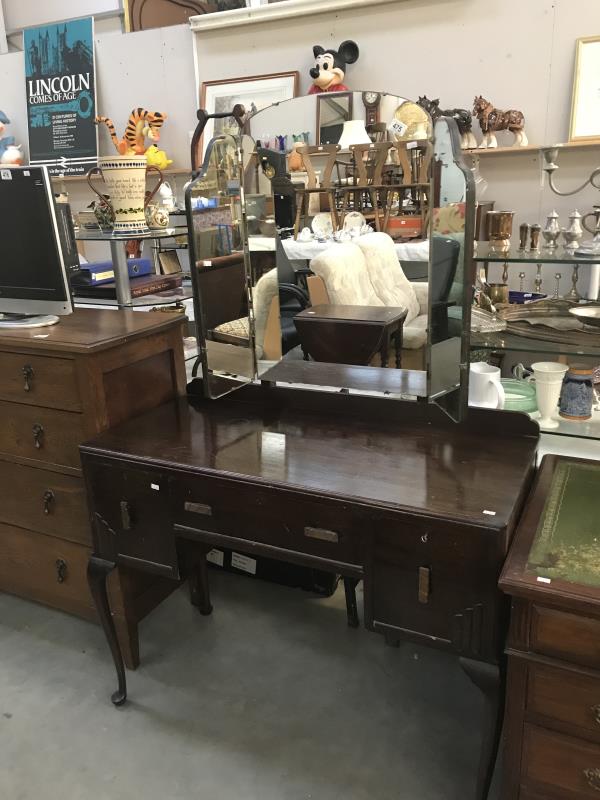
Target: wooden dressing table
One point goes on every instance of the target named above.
(421, 508)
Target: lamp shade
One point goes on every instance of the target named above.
(354, 133)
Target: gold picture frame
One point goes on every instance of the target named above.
(585, 105)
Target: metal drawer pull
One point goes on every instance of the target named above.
(592, 776)
(48, 498)
(198, 508)
(28, 375)
(424, 585)
(322, 534)
(61, 570)
(38, 434)
(126, 516)
(596, 712)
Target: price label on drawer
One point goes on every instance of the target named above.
(215, 557)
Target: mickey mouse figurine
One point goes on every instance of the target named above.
(330, 67)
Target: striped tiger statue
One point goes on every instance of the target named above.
(141, 123)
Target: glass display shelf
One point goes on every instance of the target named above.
(503, 340)
(97, 235)
(169, 297)
(560, 255)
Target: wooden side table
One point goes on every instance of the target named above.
(351, 334)
(552, 728)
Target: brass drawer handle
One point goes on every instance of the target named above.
(322, 534)
(38, 435)
(61, 570)
(596, 712)
(424, 585)
(592, 776)
(28, 376)
(48, 499)
(197, 508)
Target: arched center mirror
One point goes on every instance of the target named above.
(356, 218)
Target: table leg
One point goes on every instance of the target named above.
(490, 679)
(97, 574)
(121, 270)
(350, 585)
(398, 347)
(199, 587)
(385, 351)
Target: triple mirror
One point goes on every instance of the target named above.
(331, 243)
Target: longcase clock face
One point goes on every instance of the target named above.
(371, 102)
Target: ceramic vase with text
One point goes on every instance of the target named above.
(577, 394)
(485, 388)
(125, 180)
(548, 377)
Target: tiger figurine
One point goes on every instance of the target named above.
(141, 123)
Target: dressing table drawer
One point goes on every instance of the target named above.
(572, 637)
(247, 516)
(131, 519)
(39, 381)
(45, 501)
(42, 434)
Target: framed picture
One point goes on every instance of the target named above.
(585, 109)
(254, 93)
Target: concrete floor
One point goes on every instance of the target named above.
(270, 698)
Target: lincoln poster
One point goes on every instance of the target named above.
(61, 96)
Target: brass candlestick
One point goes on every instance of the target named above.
(538, 279)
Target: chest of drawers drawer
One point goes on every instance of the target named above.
(44, 434)
(558, 766)
(45, 569)
(572, 637)
(39, 381)
(252, 515)
(44, 501)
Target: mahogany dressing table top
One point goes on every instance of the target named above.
(403, 456)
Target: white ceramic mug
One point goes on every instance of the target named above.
(548, 377)
(485, 388)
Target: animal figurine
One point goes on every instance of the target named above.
(461, 116)
(295, 160)
(141, 124)
(330, 67)
(157, 158)
(493, 119)
(7, 140)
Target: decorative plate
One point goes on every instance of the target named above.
(322, 225)
(414, 122)
(354, 219)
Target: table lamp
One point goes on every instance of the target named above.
(354, 132)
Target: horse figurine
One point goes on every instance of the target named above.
(493, 119)
(461, 116)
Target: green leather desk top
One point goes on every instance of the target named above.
(566, 545)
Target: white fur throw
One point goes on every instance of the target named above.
(387, 277)
(263, 293)
(344, 271)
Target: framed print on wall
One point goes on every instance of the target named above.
(254, 93)
(585, 109)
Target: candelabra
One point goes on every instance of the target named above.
(550, 166)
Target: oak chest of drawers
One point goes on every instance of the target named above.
(59, 386)
(552, 728)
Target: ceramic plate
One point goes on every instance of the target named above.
(322, 225)
(354, 219)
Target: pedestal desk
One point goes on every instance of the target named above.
(394, 493)
(60, 385)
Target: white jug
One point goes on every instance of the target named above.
(166, 197)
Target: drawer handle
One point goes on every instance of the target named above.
(592, 776)
(424, 585)
(596, 712)
(198, 508)
(38, 435)
(126, 516)
(61, 570)
(28, 376)
(48, 500)
(322, 534)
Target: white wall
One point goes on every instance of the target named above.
(518, 53)
(25, 13)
